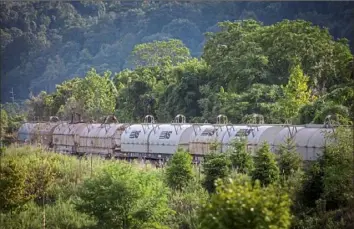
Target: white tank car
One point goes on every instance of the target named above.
(26, 132)
(66, 137)
(135, 139)
(101, 139)
(165, 139)
(232, 132)
(44, 133)
(310, 142)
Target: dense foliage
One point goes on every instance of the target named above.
(295, 88)
(239, 204)
(45, 43)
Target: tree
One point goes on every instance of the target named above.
(247, 52)
(215, 166)
(92, 96)
(296, 94)
(123, 197)
(239, 204)
(159, 53)
(338, 170)
(179, 170)
(12, 186)
(266, 169)
(186, 205)
(182, 93)
(3, 123)
(289, 160)
(241, 160)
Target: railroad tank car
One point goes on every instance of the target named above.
(232, 131)
(135, 139)
(26, 132)
(310, 142)
(44, 131)
(166, 139)
(208, 135)
(201, 139)
(66, 137)
(102, 139)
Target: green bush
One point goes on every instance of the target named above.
(266, 169)
(215, 166)
(241, 160)
(179, 170)
(121, 196)
(239, 204)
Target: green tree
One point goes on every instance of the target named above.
(92, 96)
(289, 160)
(296, 94)
(3, 123)
(338, 171)
(182, 93)
(179, 170)
(241, 160)
(239, 204)
(159, 53)
(123, 197)
(215, 166)
(186, 205)
(247, 52)
(12, 186)
(266, 169)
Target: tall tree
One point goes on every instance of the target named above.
(295, 94)
(266, 169)
(159, 53)
(179, 170)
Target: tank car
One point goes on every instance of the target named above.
(309, 140)
(101, 139)
(165, 139)
(38, 132)
(26, 132)
(66, 137)
(135, 139)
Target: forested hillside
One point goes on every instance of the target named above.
(45, 43)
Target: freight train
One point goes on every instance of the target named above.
(159, 141)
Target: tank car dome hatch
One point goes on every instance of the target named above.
(167, 138)
(135, 139)
(25, 132)
(66, 137)
(101, 138)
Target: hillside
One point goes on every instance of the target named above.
(45, 43)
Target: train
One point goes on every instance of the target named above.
(149, 140)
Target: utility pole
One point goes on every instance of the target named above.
(12, 95)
